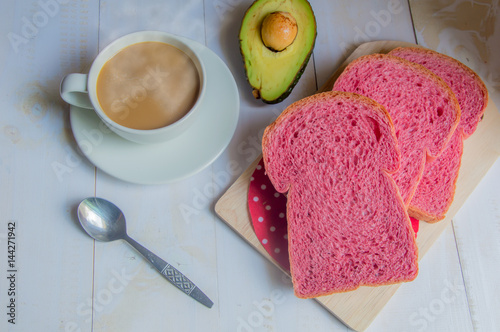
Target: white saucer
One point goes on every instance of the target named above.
(178, 158)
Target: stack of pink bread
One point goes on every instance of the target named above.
(356, 162)
(436, 188)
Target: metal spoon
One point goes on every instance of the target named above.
(104, 221)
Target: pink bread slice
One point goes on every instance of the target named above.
(436, 189)
(423, 108)
(347, 224)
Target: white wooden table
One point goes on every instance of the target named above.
(64, 281)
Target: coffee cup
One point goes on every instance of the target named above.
(147, 86)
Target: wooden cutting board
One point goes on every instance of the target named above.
(358, 308)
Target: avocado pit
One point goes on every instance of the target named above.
(278, 30)
(277, 39)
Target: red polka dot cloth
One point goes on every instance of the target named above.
(268, 213)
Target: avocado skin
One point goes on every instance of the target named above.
(299, 73)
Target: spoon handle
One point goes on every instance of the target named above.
(171, 274)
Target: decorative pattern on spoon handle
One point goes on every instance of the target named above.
(178, 279)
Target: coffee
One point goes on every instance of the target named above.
(148, 85)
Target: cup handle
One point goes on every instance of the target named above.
(74, 90)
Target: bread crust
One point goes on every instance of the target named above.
(471, 72)
(464, 131)
(429, 151)
(429, 74)
(341, 96)
(318, 97)
(421, 214)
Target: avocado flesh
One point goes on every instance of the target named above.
(274, 74)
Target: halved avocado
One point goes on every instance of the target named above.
(275, 69)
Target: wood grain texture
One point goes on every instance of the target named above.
(42, 176)
(68, 283)
(465, 30)
(440, 25)
(145, 300)
(477, 230)
(357, 309)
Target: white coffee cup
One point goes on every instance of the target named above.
(81, 89)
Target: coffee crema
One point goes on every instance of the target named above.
(148, 85)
